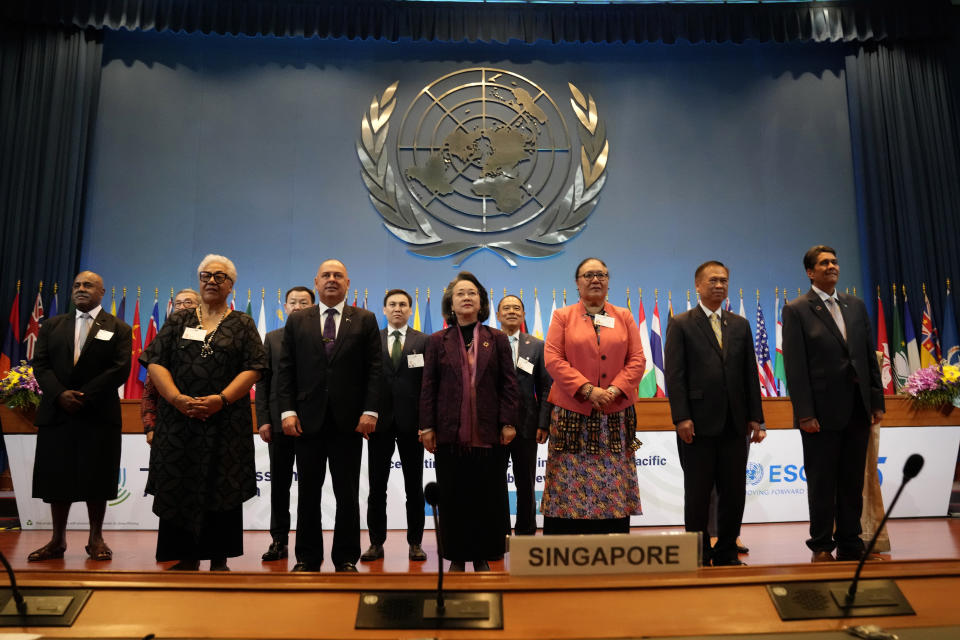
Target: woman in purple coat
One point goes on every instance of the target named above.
(468, 409)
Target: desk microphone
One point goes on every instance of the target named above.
(17, 596)
(911, 468)
(431, 493)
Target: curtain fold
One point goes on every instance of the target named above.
(906, 143)
(856, 21)
(49, 84)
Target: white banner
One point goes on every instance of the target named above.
(775, 481)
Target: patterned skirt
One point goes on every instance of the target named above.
(591, 469)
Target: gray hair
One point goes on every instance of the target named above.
(225, 261)
(192, 292)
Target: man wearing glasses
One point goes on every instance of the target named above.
(328, 391)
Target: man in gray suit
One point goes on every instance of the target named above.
(533, 426)
(82, 357)
(837, 394)
(280, 445)
(397, 426)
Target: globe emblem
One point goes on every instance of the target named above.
(484, 150)
(754, 473)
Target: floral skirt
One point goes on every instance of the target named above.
(599, 479)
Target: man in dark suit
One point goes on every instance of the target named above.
(711, 371)
(81, 358)
(836, 392)
(401, 374)
(328, 391)
(533, 427)
(280, 445)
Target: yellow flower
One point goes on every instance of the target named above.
(951, 373)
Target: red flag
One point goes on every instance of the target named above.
(10, 355)
(33, 327)
(883, 346)
(133, 389)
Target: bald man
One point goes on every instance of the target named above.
(81, 358)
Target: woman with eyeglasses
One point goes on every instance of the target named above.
(468, 412)
(203, 362)
(593, 352)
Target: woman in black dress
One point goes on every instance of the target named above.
(203, 363)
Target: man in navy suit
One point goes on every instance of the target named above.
(711, 371)
(82, 357)
(534, 384)
(328, 391)
(837, 394)
(397, 426)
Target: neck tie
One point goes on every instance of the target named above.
(84, 321)
(514, 344)
(329, 331)
(396, 349)
(834, 309)
(715, 324)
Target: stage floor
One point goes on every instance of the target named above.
(770, 544)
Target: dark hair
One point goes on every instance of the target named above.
(576, 274)
(394, 292)
(709, 263)
(510, 295)
(313, 300)
(446, 304)
(810, 257)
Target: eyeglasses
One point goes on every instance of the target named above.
(218, 277)
(184, 304)
(602, 276)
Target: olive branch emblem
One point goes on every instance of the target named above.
(402, 216)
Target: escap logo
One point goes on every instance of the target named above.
(122, 493)
(754, 473)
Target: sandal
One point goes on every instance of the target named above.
(99, 553)
(46, 552)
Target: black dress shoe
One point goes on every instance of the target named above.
(220, 564)
(417, 554)
(821, 556)
(186, 565)
(347, 567)
(373, 552)
(276, 551)
(457, 567)
(481, 565)
(301, 567)
(735, 562)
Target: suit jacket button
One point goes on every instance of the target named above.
(602, 357)
(603, 375)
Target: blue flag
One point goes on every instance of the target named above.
(427, 322)
(949, 342)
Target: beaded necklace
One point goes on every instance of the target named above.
(207, 347)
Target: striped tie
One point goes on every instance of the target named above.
(715, 324)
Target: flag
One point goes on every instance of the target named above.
(122, 310)
(354, 298)
(913, 353)
(416, 311)
(929, 345)
(688, 299)
(427, 322)
(133, 389)
(54, 307)
(233, 302)
(33, 327)
(762, 347)
(277, 320)
(728, 306)
(883, 346)
(113, 302)
(537, 320)
(742, 313)
(648, 383)
(951, 346)
(151, 334)
(656, 351)
(249, 309)
(10, 356)
(553, 309)
(901, 369)
(779, 371)
(169, 309)
(262, 321)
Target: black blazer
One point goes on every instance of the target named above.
(103, 366)
(400, 387)
(706, 382)
(349, 381)
(268, 409)
(825, 373)
(534, 388)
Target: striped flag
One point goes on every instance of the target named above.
(910, 336)
(779, 370)
(151, 334)
(648, 383)
(762, 347)
(33, 327)
(883, 346)
(929, 344)
(656, 350)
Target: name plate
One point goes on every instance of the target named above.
(604, 554)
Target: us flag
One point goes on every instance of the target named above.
(768, 383)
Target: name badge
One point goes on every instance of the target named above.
(415, 361)
(604, 321)
(194, 333)
(525, 365)
(103, 334)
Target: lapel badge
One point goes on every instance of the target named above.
(819, 308)
(486, 344)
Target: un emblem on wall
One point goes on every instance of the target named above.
(483, 159)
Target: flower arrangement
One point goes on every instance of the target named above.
(934, 386)
(19, 389)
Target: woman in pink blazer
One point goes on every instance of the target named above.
(593, 353)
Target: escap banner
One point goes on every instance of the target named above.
(775, 481)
